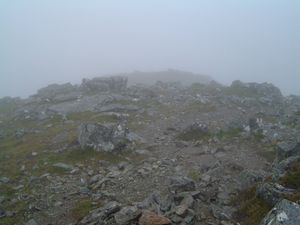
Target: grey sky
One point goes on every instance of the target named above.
(49, 41)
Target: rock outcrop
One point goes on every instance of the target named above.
(104, 84)
(103, 137)
(283, 213)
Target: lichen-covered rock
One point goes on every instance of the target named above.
(103, 137)
(283, 213)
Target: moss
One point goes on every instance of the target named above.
(20, 208)
(292, 177)
(230, 133)
(269, 154)
(6, 190)
(193, 135)
(194, 175)
(201, 107)
(81, 209)
(258, 135)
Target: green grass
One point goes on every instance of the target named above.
(20, 207)
(198, 107)
(229, 133)
(193, 135)
(81, 209)
(251, 209)
(194, 175)
(292, 177)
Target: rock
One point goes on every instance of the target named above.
(2, 213)
(95, 179)
(150, 218)
(103, 137)
(100, 215)
(104, 84)
(281, 168)
(152, 202)
(188, 200)
(181, 184)
(267, 90)
(273, 193)
(31, 222)
(63, 166)
(253, 124)
(127, 214)
(53, 90)
(288, 149)
(194, 132)
(283, 213)
(4, 180)
(181, 210)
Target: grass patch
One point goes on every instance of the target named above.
(194, 175)
(194, 135)
(251, 209)
(20, 207)
(230, 133)
(81, 209)
(292, 177)
(201, 107)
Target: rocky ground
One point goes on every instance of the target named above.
(106, 153)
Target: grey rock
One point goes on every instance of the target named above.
(4, 180)
(181, 184)
(272, 193)
(103, 137)
(281, 168)
(127, 214)
(104, 84)
(288, 149)
(283, 213)
(152, 202)
(31, 222)
(53, 90)
(63, 166)
(2, 213)
(101, 215)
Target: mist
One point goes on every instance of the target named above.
(45, 42)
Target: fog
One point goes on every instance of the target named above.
(44, 42)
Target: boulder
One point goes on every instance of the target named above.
(272, 193)
(284, 213)
(103, 137)
(126, 215)
(63, 166)
(181, 184)
(267, 90)
(288, 149)
(2, 213)
(150, 218)
(101, 215)
(283, 166)
(53, 90)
